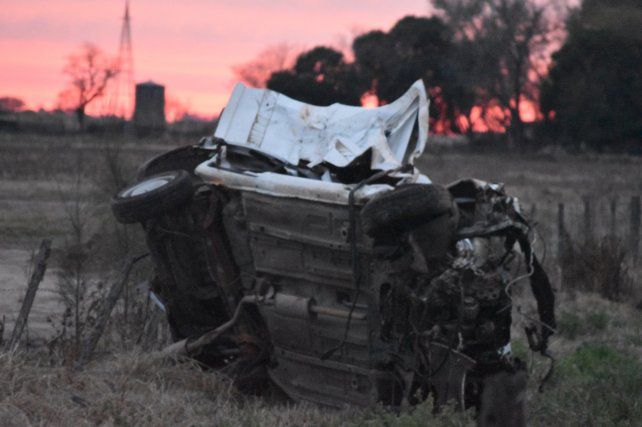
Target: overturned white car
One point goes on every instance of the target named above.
(300, 246)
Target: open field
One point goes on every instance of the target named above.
(598, 347)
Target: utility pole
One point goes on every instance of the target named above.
(121, 100)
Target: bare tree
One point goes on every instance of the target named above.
(89, 73)
(257, 71)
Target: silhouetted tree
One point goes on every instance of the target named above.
(501, 47)
(89, 72)
(320, 76)
(475, 54)
(592, 94)
(11, 104)
(257, 72)
(415, 48)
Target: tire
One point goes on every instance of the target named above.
(436, 237)
(182, 158)
(152, 197)
(405, 208)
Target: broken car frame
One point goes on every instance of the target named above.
(340, 284)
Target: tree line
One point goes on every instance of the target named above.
(486, 64)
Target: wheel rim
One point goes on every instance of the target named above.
(147, 185)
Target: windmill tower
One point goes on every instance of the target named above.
(121, 101)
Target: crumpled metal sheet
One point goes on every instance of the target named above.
(290, 130)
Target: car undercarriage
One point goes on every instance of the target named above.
(340, 285)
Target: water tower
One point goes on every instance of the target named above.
(149, 112)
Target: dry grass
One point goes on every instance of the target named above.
(126, 390)
(596, 382)
(599, 266)
(130, 389)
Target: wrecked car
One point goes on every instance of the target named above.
(300, 246)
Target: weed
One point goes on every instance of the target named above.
(595, 385)
(519, 348)
(597, 321)
(572, 325)
(598, 266)
(420, 415)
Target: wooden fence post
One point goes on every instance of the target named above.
(588, 219)
(561, 242)
(532, 213)
(2, 331)
(561, 232)
(634, 232)
(613, 228)
(39, 268)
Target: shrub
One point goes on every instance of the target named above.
(597, 266)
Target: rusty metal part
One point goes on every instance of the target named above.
(220, 255)
(189, 346)
(449, 379)
(304, 308)
(337, 312)
(293, 306)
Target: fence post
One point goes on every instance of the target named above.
(38, 273)
(588, 219)
(613, 227)
(634, 232)
(2, 331)
(561, 242)
(532, 213)
(561, 232)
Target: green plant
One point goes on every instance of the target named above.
(572, 325)
(420, 415)
(597, 321)
(595, 385)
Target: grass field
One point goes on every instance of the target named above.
(598, 346)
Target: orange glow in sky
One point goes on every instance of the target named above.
(189, 46)
(369, 100)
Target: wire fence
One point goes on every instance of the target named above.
(593, 218)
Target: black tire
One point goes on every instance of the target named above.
(164, 193)
(436, 237)
(182, 158)
(405, 208)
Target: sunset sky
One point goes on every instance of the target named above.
(190, 45)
